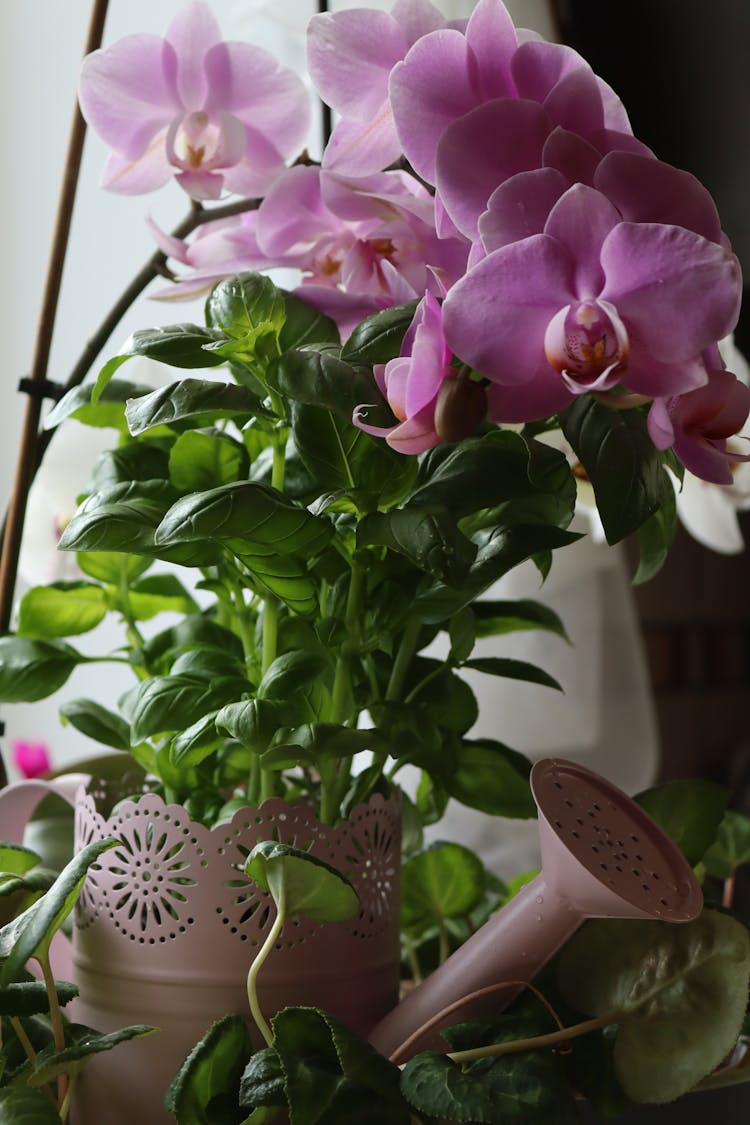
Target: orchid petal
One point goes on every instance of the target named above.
(350, 55)
(540, 397)
(259, 168)
(655, 378)
(416, 434)
(581, 220)
(429, 90)
(491, 36)
(358, 148)
(201, 185)
(646, 190)
(660, 428)
(655, 272)
(520, 207)
(133, 177)
(293, 216)
(518, 130)
(709, 516)
(417, 18)
(192, 32)
(574, 157)
(125, 95)
(495, 317)
(538, 66)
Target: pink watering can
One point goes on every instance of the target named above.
(602, 856)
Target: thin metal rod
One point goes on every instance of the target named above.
(30, 429)
(326, 118)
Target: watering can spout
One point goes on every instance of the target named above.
(602, 856)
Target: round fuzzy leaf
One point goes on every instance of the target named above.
(30, 998)
(446, 881)
(732, 846)
(82, 1043)
(15, 859)
(678, 992)
(20, 1105)
(302, 883)
(689, 811)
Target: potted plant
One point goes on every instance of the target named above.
(366, 457)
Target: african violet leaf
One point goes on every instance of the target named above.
(16, 859)
(20, 1105)
(61, 609)
(732, 846)
(688, 811)
(263, 1081)
(29, 998)
(514, 1089)
(212, 1069)
(30, 934)
(82, 1043)
(445, 881)
(621, 462)
(301, 883)
(32, 670)
(678, 993)
(332, 1075)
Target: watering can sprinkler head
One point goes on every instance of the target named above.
(603, 856)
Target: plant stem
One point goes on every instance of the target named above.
(55, 1016)
(403, 659)
(252, 993)
(443, 947)
(494, 1050)
(23, 1038)
(66, 1102)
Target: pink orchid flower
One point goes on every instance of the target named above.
(432, 401)
(590, 303)
(449, 73)
(32, 759)
(697, 425)
(214, 114)
(350, 56)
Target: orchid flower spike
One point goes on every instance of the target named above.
(214, 114)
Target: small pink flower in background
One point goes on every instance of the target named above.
(32, 759)
(697, 425)
(216, 115)
(431, 400)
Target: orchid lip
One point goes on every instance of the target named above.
(587, 344)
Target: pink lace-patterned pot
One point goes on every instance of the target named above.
(168, 924)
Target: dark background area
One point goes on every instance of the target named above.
(682, 68)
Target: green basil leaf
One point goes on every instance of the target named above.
(199, 461)
(112, 567)
(95, 721)
(290, 673)
(196, 399)
(655, 537)
(31, 670)
(159, 593)
(379, 337)
(61, 609)
(430, 538)
(512, 670)
(164, 704)
(107, 411)
(496, 618)
(318, 378)
(244, 302)
(304, 326)
(490, 777)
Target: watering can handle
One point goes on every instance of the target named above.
(19, 800)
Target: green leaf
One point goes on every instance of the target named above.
(31, 670)
(463, 634)
(159, 593)
(678, 993)
(512, 670)
(263, 1081)
(16, 859)
(29, 998)
(499, 554)
(198, 461)
(196, 743)
(162, 704)
(430, 538)
(515, 1089)
(732, 846)
(333, 1076)
(83, 1042)
(301, 883)
(319, 378)
(244, 302)
(20, 1105)
(379, 337)
(136, 460)
(106, 411)
(496, 618)
(490, 777)
(689, 811)
(201, 399)
(61, 609)
(253, 722)
(290, 673)
(30, 934)
(112, 567)
(625, 469)
(312, 741)
(446, 881)
(212, 1069)
(305, 326)
(178, 345)
(655, 537)
(97, 722)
